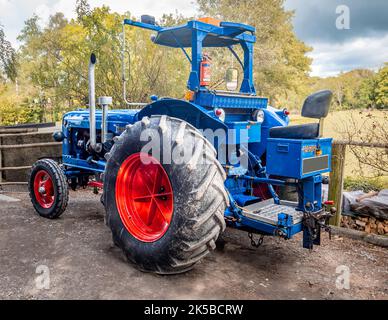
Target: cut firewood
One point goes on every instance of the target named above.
(380, 228)
(367, 195)
(360, 223)
(365, 224)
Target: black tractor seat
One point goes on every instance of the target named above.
(301, 131)
(315, 106)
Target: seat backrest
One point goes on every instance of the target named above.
(317, 104)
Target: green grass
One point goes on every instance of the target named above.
(365, 184)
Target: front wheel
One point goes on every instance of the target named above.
(164, 216)
(48, 189)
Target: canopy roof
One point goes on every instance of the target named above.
(201, 33)
(223, 35)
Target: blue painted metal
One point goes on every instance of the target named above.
(275, 182)
(83, 164)
(273, 118)
(227, 34)
(198, 35)
(236, 56)
(229, 101)
(311, 200)
(283, 157)
(142, 25)
(198, 116)
(245, 130)
(75, 122)
(117, 119)
(287, 230)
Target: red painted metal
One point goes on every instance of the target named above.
(261, 190)
(95, 184)
(205, 72)
(144, 197)
(44, 189)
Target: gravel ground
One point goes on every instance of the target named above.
(84, 264)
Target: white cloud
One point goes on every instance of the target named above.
(330, 59)
(13, 13)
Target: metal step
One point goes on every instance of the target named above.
(267, 212)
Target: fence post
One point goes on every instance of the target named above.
(1, 162)
(336, 183)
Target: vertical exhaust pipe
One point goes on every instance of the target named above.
(92, 102)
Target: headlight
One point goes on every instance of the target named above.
(258, 116)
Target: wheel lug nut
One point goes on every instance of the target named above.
(42, 190)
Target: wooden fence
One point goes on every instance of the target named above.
(337, 172)
(19, 132)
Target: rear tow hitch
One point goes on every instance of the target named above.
(313, 223)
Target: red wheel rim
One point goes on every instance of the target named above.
(44, 189)
(144, 197)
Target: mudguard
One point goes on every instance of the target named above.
(196, 115)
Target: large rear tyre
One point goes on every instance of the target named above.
(163, 215)
(48, 189)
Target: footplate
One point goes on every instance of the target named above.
(268, 212)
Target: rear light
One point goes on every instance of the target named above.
(329, 203)
(258, 116)
(220, 114)
(286, 112)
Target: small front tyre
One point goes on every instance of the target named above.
(48, 189)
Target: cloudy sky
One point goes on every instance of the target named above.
(362, 43)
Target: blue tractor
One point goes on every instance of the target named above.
(176, 172)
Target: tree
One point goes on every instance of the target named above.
(381, 89)
(281, 66)
(30, 31)
(57, 62)
(366, 95)
(351, 90)
(53, 68)
(370, 128)
(8, 61)
(82, 9)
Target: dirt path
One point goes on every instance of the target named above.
(84, 264)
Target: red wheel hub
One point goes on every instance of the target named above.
(44, 189)
(144, 197)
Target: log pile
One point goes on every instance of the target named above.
(366, 224)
